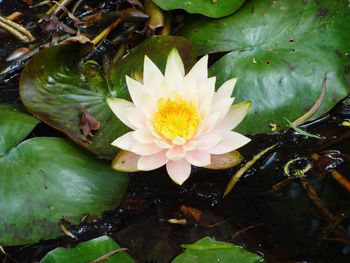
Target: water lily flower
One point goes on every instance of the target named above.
(177, 120)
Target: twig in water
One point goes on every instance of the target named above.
(315, 107)
(241, 171)
(108, 255)
(336, 175)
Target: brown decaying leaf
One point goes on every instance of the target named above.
(88, 123)
(191, 212)
(136, 3)
(67, 232)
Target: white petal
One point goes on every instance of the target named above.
(151, 162)
(208, 124)
(136, 89)
(225, 91)
(125, 161)
(145, 149)
(163, 144)
(179, 140)
(188, 91)
(235, 115)
(151, 128)
(199, 71)
(206, 86)
(179, 171)
(143, 136)
(152, 76)
(176, 153)
(148, 104)
(222, 106)
(191, 145)
(231, 141)
(206, 102)
(174, 70)
(125, 142)
(198, 158)
(119, 106)
(208, 141)
(136, 117)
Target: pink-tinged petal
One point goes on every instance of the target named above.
(145, 149)
(151, 162)
(152, 76)
(235, 115)
(174, 70)
(179, 140)
(208, 141)
(136, 89)
(125, 161)
(225, 161)
(163, 144)
(179, 171)
(119, 106)
(176, 153)
(231, 141)
(191, 145)
(136, 117)
(199, 71)
(225, 91)
(208, 124)
(198, 158)
(125, 142)
(143, 136)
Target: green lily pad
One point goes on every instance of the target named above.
(210, 8)
(87, 252)
(57, 87)
(280, 51)
(45, 179)
(210, 250)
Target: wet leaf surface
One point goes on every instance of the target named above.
(210, 8)
(280, 52)
(210, 250)
(57, 83)
(88, 252)
(46, 179)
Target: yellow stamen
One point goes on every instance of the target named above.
(176, 118)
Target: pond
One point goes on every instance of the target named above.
(290, 205)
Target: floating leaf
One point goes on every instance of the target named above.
(45, 179)
(55, 85)
(89, 251)
(211, 8)
(280, 51)
(210, 250)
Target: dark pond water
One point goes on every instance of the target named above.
(285, 220)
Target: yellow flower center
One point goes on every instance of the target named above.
(176, 118)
